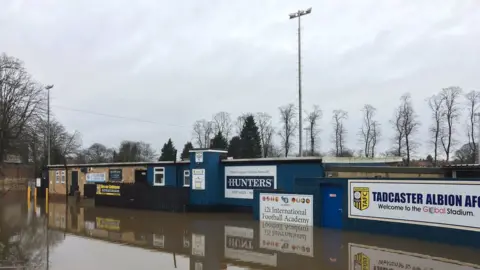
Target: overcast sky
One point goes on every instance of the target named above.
(173, 62)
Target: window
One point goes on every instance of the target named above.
(186, 178)
(159, 177)
(57, 177)
(63, 177)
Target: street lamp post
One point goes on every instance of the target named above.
(299, 14)
(48, 87)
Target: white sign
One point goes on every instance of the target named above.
(287, 238)
(286, 208)
(451, 204)
(39, 182)
(198, 157)
(367, 257)
(239, 246)
(198, 179)
(198, 245)
(96, 177)
(241, 181)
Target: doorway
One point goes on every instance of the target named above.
(332, 207)
(74, 183)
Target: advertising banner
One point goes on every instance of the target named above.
(241, 181)
(287, 238)
(286, 208)
(110, 190)
(96, 177)
(239, 245)
(367, 258)
(450, 204)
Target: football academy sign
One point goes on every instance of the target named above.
(450, 204)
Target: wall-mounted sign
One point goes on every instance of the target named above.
(287, 238)
(368, 257)
(198, 157)
(198, 179)
(39, 182)
(115, 175)
(111, 190)
(107, 224)
(286, 208)
(450, 204)
(241, 181)
(95, 177)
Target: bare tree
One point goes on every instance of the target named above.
(222, 122)
(451, 109)
(21, 100)
(367, 129)
(376, 133)
(409, 124)
(339, 131)
(436, 106)
(399, 136)
(313, 118)
(288, 114)
(473, 101)
(203, 132)
(266, 131)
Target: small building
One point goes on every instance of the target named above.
(78, 176)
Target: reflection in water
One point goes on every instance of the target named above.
(154, 240)
(23, 234)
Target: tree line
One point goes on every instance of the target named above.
(444, 140)
(24, 129)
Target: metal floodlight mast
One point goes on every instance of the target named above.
(299, 14)
(48, 87)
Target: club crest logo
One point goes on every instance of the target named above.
(361, 262)
(361, 198)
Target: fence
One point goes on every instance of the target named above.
(141, 196)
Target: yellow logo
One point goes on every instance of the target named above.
(361, 197)
(361, 262)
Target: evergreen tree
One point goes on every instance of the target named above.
(168, 152)
(250, 138)
(186, 151)
(219, 142)
(235, 147)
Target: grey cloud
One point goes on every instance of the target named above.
(173, 62)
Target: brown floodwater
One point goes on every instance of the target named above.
(85, 237)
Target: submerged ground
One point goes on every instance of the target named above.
(85, 237)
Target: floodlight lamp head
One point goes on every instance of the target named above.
(309, 10)
(292, 15)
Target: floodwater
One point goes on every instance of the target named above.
(85, 237)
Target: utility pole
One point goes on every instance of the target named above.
(299, 14)
(48, 87)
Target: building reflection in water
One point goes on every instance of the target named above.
(224, 241)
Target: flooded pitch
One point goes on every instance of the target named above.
(110, 238)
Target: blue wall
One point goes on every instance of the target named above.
(171, 179)
(431, 233)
